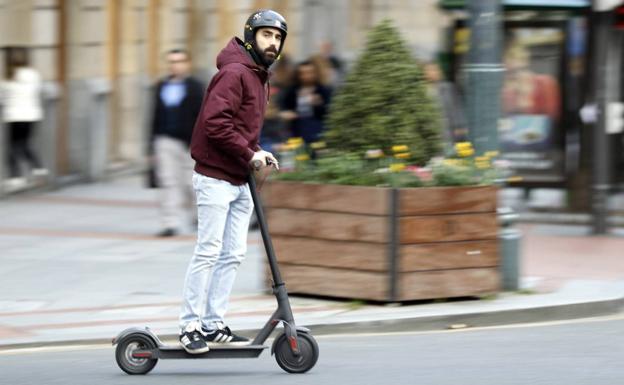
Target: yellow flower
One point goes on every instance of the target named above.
(465, 152)
(302, 157)
(295, 140)
(400, 148)
(396, 167)
(403, 155)
(295, 143)
(491, 154)
(374, 154)
(289, 147)
(514, 179)
(460, 146)
(317, 145)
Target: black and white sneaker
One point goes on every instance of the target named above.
(223, 335)
(193, 341)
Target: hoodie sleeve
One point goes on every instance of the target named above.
(221, 105)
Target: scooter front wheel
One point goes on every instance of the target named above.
(124, 354)
(308, 348)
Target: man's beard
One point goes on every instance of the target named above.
(266, 57)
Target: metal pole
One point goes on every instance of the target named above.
(600, 146)
(484, 72)
(49, 128)
(509, 241)
(393, 247)
(3, 156)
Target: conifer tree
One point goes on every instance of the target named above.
(384, 102)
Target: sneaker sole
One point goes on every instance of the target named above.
(195, 351)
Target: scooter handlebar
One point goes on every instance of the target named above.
(257, 164)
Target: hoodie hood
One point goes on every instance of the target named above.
(234, 52)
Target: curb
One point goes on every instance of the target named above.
(478, 319)
(411, 324)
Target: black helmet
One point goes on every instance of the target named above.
(265, 18)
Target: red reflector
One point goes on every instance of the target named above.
(142, 355)
(293, 343)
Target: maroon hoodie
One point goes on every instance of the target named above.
(228, 126)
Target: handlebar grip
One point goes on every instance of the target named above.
(256, 164)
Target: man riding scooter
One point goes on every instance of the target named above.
(224, 145)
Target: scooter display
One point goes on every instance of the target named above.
(295, 349)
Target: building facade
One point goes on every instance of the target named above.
(99, 58)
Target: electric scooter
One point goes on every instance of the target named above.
(295, 349)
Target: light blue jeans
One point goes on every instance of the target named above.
(223, 214)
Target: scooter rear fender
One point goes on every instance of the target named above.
(135, 330)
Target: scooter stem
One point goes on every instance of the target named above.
(264, 230)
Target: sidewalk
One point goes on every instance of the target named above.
(81, 264)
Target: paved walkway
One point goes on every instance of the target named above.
(81, 264)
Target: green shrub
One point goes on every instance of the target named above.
(384, 102)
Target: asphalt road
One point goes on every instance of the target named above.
(577, 352)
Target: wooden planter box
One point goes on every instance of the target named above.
(384, 244)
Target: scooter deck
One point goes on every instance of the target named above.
(227, 351)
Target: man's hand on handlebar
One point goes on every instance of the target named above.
(263, 159)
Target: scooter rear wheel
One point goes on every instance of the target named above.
(308, 348)
(130, 364)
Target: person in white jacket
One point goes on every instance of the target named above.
(21, 108)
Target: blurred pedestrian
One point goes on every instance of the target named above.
(306, 103)
(455, 128)
(177, 102)
(224, 145)
(22, 109)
